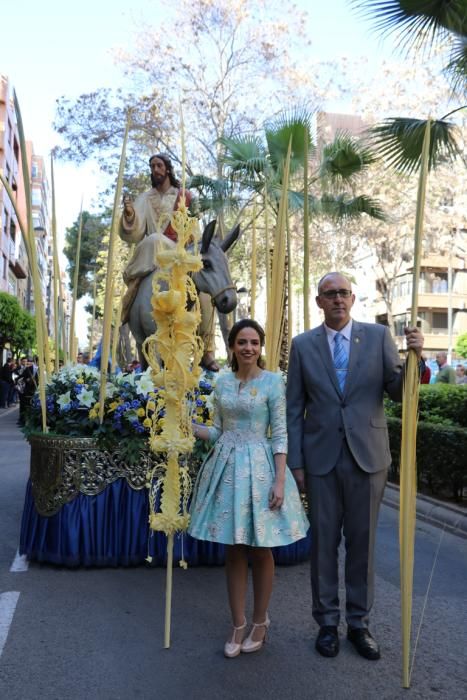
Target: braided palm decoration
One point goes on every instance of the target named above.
(174, 352)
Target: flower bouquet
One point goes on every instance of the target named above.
(131, 402)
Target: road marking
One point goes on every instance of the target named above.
(20, 563)
(8, 603)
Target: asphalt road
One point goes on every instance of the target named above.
(98, 633)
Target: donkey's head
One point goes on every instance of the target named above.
(214, 277)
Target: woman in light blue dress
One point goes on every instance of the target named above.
(245, 496)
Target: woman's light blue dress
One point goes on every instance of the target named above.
(230, 499)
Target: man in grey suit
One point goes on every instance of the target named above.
(339, 452)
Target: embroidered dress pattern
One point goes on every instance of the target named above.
(230, 501)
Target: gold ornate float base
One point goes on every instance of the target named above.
(63, 467)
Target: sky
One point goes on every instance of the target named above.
(56, 48)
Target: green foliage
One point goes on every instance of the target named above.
(441, 463)
(461, 345)
(94, 229)
(344, 158)
(17, 326)
(399, 140)
(443, 404)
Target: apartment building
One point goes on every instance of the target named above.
(13, 259)
(442, 291)
(442, 301)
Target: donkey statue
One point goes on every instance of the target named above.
(214, 279)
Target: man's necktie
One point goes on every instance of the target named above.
(341, 361)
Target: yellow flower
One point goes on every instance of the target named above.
(151, 406)
(140, 412)
(147, 422)
(113, 406)
(208, 422)
(80, 380)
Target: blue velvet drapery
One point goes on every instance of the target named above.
(111, 529)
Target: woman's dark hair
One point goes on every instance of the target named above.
(170, 169)
(235, 330)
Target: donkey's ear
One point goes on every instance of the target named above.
(230, 239)
(208, 233)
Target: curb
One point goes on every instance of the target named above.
(437, 513)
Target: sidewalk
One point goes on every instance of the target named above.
(438, 513)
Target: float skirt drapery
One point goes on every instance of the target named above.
(111, 529)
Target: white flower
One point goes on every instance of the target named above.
(86, 398)
(64, 399)
(110, 390)
(145, 384)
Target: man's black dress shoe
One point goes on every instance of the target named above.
(327, 641)
(363, 642)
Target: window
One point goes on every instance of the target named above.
(5, 222)
(34, 170)
(4, 267)
(36, 197)
(440, 321)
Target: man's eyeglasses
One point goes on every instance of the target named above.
(332, 293)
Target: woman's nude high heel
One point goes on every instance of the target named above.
(233, 648)
(249, 645)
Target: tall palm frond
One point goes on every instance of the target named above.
(288, 125)
(399, 140)
(340, 207)
(420, 21)
(343, 159)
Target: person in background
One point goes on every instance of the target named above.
(461, 376)
(425, 376)
(446, 374)
(27, 384)
(7, 384)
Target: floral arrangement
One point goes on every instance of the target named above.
(131, 403)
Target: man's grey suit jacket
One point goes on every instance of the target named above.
(319, 416)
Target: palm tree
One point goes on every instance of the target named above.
(256, 165)
(422, 25)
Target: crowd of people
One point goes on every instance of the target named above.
(18, 383)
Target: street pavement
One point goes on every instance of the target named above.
(97, 634)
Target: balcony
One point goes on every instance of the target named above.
(19, 268)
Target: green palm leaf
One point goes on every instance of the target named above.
(245, 155)
(290, 124)
(418, 20)
(457, 66)
(341, 207)
(344, 158)
(295, 198)
(214, 194)
(399, 140)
